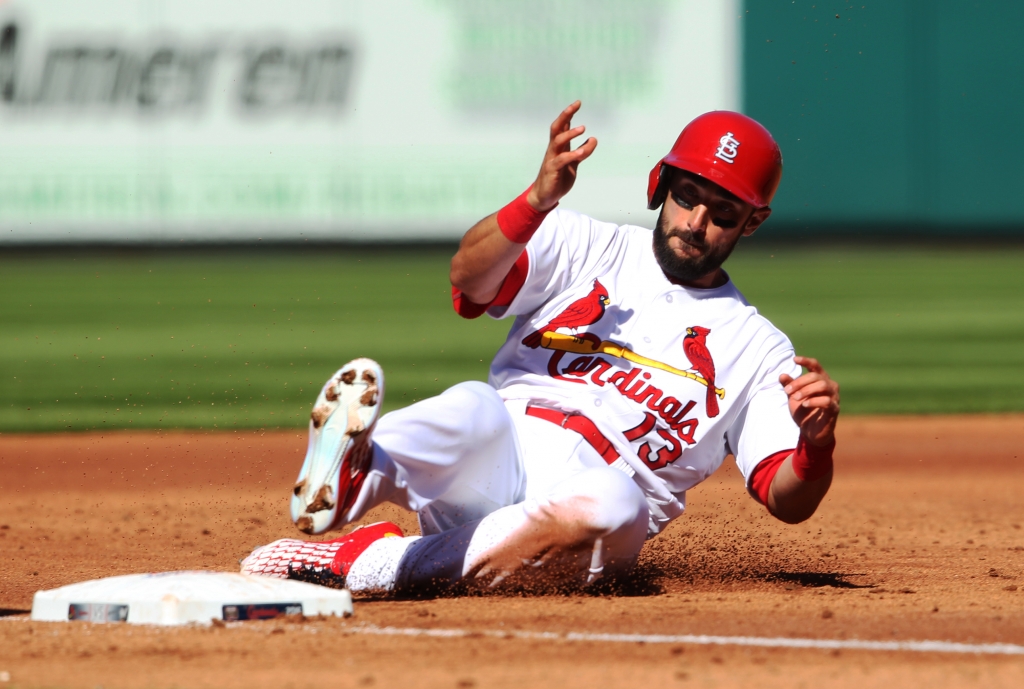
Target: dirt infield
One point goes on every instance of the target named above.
(920, 538)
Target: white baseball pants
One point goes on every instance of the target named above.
(504, 499)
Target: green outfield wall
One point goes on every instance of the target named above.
(902, 115)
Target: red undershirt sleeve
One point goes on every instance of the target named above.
(510, 287)
(764, 473)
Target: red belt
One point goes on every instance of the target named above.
(574, 421)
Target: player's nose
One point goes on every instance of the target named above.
(698, 220)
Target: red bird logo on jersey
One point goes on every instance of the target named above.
(696, 349)
(582, 312)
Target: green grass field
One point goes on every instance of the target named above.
(217, 340)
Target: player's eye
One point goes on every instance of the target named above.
(686, 199)
(725, 216)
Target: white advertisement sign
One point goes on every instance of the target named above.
(370, 120)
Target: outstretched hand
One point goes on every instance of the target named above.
(558, 171)
(813, 401)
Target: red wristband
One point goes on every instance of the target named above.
(811, 462)
(519, 220)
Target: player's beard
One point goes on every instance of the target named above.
(685, 268)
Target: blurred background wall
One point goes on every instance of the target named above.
(899, 116)
(142, 120)
(136, 121)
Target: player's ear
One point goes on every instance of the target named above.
(755, 220)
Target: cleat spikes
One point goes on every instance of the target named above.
(322, 501)
(340, 449)
(320, 414)
(321, 576)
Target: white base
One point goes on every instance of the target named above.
(171, 598)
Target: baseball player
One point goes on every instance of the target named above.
(633, 368)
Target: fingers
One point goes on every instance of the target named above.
(558, 170)
(574, 157)
(561, 141)
(586, 148)
(823, 402)
(809, 363)
(802, 382)
(810, 389)
(813, 400)
(561, 122)
(815, 373)
(819, 394)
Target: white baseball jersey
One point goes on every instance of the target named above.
(601, 331)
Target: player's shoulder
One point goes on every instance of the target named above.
(584, 235)
(568, 219)
(757, 325)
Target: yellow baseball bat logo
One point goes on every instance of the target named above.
(578, 345)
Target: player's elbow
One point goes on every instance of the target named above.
(467, 278)
(797, 502)
(457, 273)
(462, 278)
(794, 516)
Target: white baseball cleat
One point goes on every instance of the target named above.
(340, 451)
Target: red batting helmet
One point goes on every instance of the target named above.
(731, 150)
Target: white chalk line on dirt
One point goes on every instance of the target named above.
(926, 646)
(706, 640)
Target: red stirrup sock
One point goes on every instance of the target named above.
(519, 220)
(811, 462)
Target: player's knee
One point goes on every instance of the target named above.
(481, 403)
(473, 392)
(617, 502)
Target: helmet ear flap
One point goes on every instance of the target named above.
(664, 176)
(657, 185)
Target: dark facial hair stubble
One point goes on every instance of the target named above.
(684, 268)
